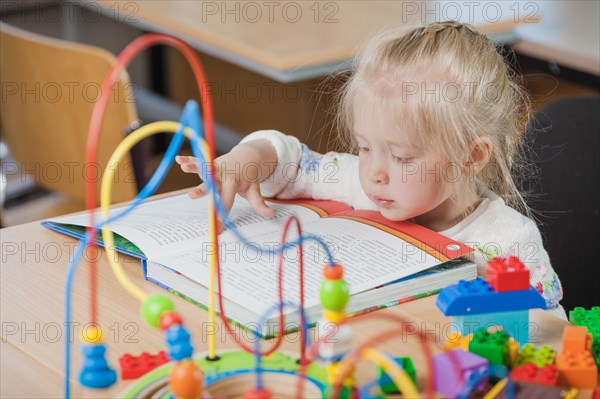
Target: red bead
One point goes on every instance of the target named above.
(333, 272)
(168, 319)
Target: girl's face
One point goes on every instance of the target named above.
(404, 180)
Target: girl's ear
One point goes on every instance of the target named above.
(480, 152)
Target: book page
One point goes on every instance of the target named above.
(370, 256)
(179, 224)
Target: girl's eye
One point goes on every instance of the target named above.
(364, 149)
(401, 159)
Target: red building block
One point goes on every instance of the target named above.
(547, 375)
(507, 274)
(137, 366)
(577, 370)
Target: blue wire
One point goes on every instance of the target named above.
(303, 330)
(190, 112)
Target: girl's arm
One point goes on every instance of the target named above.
(302, 173)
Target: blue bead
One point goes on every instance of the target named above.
(179, 346)
(95, 372)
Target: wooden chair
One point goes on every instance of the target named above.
(49, 88)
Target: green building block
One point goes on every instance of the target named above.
(542, 356)
(587, 318)
(386, 384)
(596, 352)
(493, 347)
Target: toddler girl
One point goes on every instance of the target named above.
(437, 120)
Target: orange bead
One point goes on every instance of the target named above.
(185, 380)
(333, 272)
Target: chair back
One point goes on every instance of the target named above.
(49, 88)
(566, 144)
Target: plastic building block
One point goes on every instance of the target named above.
(590, 319)
(539, 356)
(457, 341)
(95, 371)
(547, 375)
(137, 366)
(386, 384)
(577, 370)
(453, 369)
(478, 297)
(513, 352)
(587, 318)
(576, 339)
(516, 323)
(507, 274)
(596, 393)
(493, 347)
(596, 352)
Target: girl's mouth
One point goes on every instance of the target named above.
(383, 203)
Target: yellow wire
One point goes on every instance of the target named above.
(106, 190)
(492, 393)
(212, 338)
(396, 373)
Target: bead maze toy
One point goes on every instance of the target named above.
(324, 368)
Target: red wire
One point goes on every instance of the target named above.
(376, 340)
(132, 50)
(280, 334)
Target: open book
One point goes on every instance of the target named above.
(385, 262)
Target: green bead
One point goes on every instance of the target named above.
(334, 294)
(153, 307)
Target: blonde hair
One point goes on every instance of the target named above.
(478, 96)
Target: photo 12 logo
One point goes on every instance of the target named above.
(472, 12)
(88, 12)
(270, 11)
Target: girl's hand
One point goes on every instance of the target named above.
(238, 172)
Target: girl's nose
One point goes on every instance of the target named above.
(378, 173)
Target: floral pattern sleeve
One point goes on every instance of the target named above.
(303, 173)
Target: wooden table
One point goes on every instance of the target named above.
(290, 41)
(267, 61)
(32, 275)
(568, 35)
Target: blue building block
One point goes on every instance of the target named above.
(516, 324)
(478, 297)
